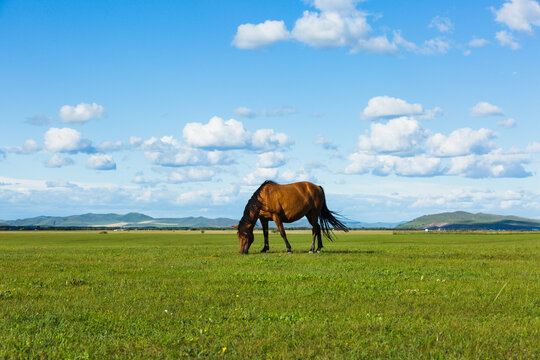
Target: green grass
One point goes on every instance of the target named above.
(185, 295)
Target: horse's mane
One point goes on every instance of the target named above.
(254, 203)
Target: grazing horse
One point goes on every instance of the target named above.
(286, 204)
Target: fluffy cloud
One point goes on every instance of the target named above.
(507, 39)
(57, 161)
(208, 197)
(442, 24)
(256, 36)
(107, 146)
(383, 165)
(387, 106)
(331, 29)
(493, 165)
(508, 123)
(259, 175)
(478, 42)
(30, 146)
(461, 141)
(167, 151)
(271, 160)
(533, 147)
(401, 135)
(81, 113)
(434, 47)
(268, 139)
(101, 162)
(336, 23)
(484, 108)
(184, 175)
(244, 112)
(401, 147)
(230, 134)
(325, 143)
(519, 15)
(66, 140)
(217, 134)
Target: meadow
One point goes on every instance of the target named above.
(169, 295)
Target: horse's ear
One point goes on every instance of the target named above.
(235, 226)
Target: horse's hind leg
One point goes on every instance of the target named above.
(264, 223)
(315, 232)
(277, 220)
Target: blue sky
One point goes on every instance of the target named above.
(182, 108)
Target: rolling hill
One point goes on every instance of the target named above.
(142, 220)
(116, 220)
(464, 220)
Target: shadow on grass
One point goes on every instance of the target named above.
(315, 253)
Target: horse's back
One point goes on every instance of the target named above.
(294, 200)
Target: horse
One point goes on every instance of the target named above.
(286, 204)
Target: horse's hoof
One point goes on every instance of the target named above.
(318, 251)
(289, 251)
(311, 251)
(264, 250)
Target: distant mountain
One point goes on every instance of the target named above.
(116, 220)
(141, 220)
(464, 220)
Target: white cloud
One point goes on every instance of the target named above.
(66, 140)
(383, 165)
(244, 112)
(256, 36)
(492, 165)
(519, 15)
(289, 176)
(81, 113)
(442, 24)
(108, 146)
(331, 29)
(507, 39)
(386, 106)
(484, 108)
(508, 123)
(101, 162)
(325, 143)
(271, 160)
(268, 139)
(217, 134)
(58, 161)
(434, 47)
(208, 197)
(190, 174)
(259, 175)
(478, 42)
(30, 146)
(461, 141)
(167, 151)
(135, 141)
(533, 147)
(334, 5)
(401, 135)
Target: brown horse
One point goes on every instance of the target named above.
(286, 204)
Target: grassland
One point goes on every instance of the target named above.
(185, 295)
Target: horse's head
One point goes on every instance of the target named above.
(245, 236)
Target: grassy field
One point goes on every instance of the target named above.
(175, 295)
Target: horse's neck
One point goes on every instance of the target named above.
(251, 212)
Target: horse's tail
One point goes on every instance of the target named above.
(329, 220)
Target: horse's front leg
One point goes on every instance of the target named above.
(264, 223)
(277, 220)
